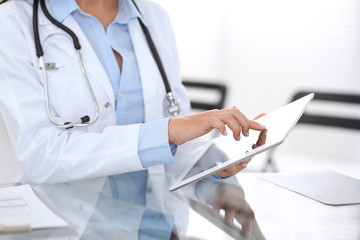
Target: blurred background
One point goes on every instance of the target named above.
(265, 51)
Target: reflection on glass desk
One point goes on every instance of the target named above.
(95, 211)
(283, 214)
(104, 208)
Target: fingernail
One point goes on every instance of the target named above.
(263, 126)
(247, 133)
(225, 133)
(239, 137)
(248, 234)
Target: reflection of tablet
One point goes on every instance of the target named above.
(224, 151)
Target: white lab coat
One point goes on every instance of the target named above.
(47, 153)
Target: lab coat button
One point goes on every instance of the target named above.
(156, 162)
(122, 192)
(149, 190)
(121, 94)
(107, 104)
(157, 216)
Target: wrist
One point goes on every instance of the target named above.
(172, 131)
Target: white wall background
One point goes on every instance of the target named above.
(265, 50)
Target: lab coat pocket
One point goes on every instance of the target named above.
(67, 97)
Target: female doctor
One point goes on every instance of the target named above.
(115, 84)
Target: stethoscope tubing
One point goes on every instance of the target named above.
(172, 105)
(85, 120)
(154, 52)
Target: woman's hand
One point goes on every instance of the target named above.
(184, 129)
(230, 171)
(231, 199)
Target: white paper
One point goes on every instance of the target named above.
(20, 206)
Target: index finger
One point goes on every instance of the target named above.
(256, 126)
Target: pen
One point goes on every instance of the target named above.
(14, 228)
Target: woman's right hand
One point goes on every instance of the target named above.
(186, 128)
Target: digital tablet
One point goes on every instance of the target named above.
(223, 152)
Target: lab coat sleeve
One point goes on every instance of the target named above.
(46, 153)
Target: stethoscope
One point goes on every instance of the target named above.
(171, 104)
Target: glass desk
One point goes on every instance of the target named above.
(115, 208)
(103, 209)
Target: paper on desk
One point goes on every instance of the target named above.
(19, 206)
(328, 187)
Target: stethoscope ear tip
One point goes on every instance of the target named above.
(85, 119)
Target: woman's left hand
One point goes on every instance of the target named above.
(231, 199)
(230, 171)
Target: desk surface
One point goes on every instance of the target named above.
(94, 213)
(283, 214)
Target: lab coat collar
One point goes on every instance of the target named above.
(147, 68)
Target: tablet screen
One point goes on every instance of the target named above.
(222, 150)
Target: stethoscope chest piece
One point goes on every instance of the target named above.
(172, 106)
